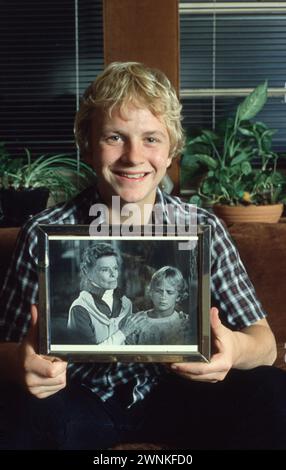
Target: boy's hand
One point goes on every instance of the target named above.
(220, 363)
(41, 375)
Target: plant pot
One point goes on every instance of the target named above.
(235, 214)
(18, 206)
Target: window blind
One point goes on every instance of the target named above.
(49, 51)
(225, 55)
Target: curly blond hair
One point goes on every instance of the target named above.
(124, 83)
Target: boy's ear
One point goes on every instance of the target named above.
(169, 162)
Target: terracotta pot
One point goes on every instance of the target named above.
(234, 214)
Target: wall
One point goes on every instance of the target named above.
(146, 31)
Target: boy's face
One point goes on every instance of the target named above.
(105, 272)
(130, 154)
(164, 296)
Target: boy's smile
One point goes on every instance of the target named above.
(130, 153)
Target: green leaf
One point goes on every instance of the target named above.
(196, 200)
(187, 163)
(208, 187)
(269, 132)
(260, 126)
(239, 158)
(246, 132)
(210, 136)
(196, 140)
(59, 173)
(266, 139)
(253, 103)
(205, 160)
(246, 168)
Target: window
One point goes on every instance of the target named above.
(49, 52)
(227, 49)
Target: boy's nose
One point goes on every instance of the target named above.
(133, 153)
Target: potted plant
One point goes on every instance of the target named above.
(26, 183)
(232, 182)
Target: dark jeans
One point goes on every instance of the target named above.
(245, 411)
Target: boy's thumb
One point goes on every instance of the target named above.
(214, 319)
(32, 337)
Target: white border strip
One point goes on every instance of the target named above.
(124, 349)
(184, 238)
(208, 92)
(231, 8)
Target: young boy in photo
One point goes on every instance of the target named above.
(163, 324)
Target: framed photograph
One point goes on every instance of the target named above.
(132, 298)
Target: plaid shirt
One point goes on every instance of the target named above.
(231, 291)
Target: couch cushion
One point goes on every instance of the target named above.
(262, 248)
(281, 355)
(7, 242)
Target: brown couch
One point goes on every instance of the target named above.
(262, 248)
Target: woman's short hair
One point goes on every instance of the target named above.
(124, 83)
(93, 253)
(174, 276)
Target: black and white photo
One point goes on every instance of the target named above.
(134, 298)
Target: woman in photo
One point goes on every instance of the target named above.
(96, 316)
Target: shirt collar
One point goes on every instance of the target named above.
(92, 197)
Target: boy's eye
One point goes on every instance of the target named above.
(151, 140)
(169, 292)
(113, 138)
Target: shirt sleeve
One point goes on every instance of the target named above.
(20, 288)
(81, 328)
(231, 288)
